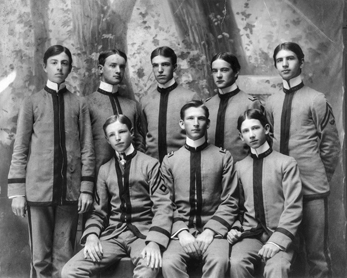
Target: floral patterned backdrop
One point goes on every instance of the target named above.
(196, 30)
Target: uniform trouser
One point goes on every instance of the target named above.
(125, 245)
(244, 260)
(215, 260)
(314, 230)
(52, 233)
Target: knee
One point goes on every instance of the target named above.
(237, 263)
(171, 260)
(277, 268)
(67, 271)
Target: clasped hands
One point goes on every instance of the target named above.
(196, 246)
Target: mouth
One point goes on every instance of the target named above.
(195, 130)
(254, 142)
(285, 71)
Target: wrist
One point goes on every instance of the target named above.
(209, 232)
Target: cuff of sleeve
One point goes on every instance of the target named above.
(175, 235)
(87, 186)
(280, 247)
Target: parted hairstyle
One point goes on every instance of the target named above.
(166, 52)
(229, 58)
(254, 114)
(56, 50)
(103, 55)
(196, 104)
(292, 46)
(114, 118)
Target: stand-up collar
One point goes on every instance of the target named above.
(197, 145)
(292, 82)
(129, 152)
(55, 86)
(261, 152)
(227, 90)
(109, 88)
(167, 84)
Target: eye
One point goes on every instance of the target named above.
(225, 69)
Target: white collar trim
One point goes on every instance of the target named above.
(292, 82)
(263, 148)
(108, 87)
(167, 84)
(54, 86)
(229, 89)
(195, 144)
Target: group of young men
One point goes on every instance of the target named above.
(218, 175)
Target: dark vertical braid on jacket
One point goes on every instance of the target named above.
(121, 189)
(197, 162)
(162, 119)
(258, 191)
(285, 118)
(60, 162)
(192, 212)
(223, 104)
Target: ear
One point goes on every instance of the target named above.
(101, 69)
(208, 124)
(44, 67)
(241, 137)
(302, 63)
(237, 75)
(132, 131)
(181, 123)
(267, 129)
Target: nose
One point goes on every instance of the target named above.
(219, 74)
(285, 63)
(160, 68)
(196, 122)
(117, 137)
(59, 66)
(117, 69)
(251, 134)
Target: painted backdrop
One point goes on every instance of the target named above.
(196, 30)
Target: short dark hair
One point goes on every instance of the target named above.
(56, 50)
(103, 55)
(114, 118)
(292, 46)
(196, 104)
(228, 57)
(255, 114)
(166, 52)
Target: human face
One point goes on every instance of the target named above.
(288, 64)
(195, 123)
(112, 72)
(119, 136)
(223, 74)
(163, 69)
(57, 68)
(253, 133)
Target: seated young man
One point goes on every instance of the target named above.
(201, 180)
(132, 213)
(270, 186)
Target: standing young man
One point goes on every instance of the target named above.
(52, 169)
(304, 128)
(161, 107)
(107, 101)
(202, 182)
(226, 106)
(132, 213)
